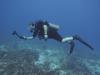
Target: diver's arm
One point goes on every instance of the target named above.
(28, 38)
(22, 37)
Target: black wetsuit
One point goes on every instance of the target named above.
(52, 33)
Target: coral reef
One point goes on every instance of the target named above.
(35, 61)
(93, 65)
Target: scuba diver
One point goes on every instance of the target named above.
(45, 30)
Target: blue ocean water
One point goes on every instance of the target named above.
(80, 17)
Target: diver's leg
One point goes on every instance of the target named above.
(76, 37)
(70, 40)
(67, 39)
(56, 36)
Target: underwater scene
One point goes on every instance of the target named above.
(49, 37)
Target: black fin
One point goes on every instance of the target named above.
(72, 45)
(86, 44)
(76, 37)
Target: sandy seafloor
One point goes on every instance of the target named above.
(26, 58)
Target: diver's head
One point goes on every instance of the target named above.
(31, 27)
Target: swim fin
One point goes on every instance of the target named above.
(76, 37)
(72, 45)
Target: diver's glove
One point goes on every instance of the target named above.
(14, 33)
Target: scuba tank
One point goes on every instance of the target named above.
(54, 27)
